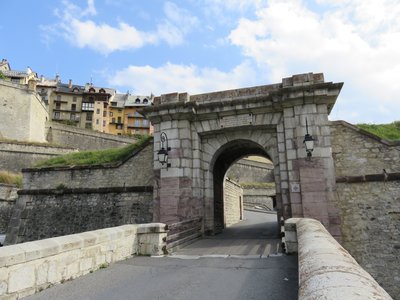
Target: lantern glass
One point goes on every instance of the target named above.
(162, 156)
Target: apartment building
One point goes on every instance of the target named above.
(134, 121)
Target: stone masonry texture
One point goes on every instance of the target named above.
(60, 201)
(8, 195)
(369, 211)
(84, 139)
(370, 216)
(23, 115)
(15, 156)
(233, 202)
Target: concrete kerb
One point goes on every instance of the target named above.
(67, 257)
(326, 269)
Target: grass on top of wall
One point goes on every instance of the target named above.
(11, 178)
(94, 157)
(389, 132)
(258, 185)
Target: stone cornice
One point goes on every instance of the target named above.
(261, 99)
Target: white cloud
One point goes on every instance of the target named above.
(182, 78)
(354, 41)
(76, 27)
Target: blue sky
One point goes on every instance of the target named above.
(200, 46)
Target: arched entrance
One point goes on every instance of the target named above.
(223, 159)
(208, 132)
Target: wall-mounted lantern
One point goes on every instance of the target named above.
(308, 142)
(163, 152)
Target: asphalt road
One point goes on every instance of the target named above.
(210, 273)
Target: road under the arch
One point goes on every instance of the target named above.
(255, 236)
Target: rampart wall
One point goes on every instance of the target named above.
(15, 156)
(246, 170)
(84, 139)
(60, 201)
(233, 202)
(8, 196)
(259, 196)
(23, 114)
(368, 201)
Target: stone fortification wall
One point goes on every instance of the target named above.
(29, 268)
(84, 139)
(370, 224)
(8, 195)
(357, 152)
(326, 269)
(368, 199)
(15, 156)
(262, 197)
(233, 202)
(135, 171)
(23, 115)
(251, 171)
(59, 201)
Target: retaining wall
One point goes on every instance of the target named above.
(31, 267)
(15, 156)
(326, 269)
(233, 202)
(59, 201)
(246, 170)
(84, 139)
(253, 196)
(8, 196)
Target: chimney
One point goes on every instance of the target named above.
(28, 70)
(41, 78)
(70, 84)
(57, 78)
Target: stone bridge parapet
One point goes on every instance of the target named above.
(326, 269)
(30, 267)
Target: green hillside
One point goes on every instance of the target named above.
(389, 132)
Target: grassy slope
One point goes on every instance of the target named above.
(389, 132)
(11, 178)
(93, 157)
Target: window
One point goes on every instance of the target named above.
(97, 121)
(87, 106)
(113, 120)
(119, 110)
(104, 114)
(145, 101)
(73, 107)
(102, 91)
(58, 97)
(119, 120)
(74, 99)
(92, 90)
(56, 115)
(89, 116)
(98, 111)
(137, 123)
(145, 122)
(137, 100)
(58, 105)
(111, 113)
(72, 117)
(88, 125)
(119, 126)
(104, 123)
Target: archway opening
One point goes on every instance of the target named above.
(231, 164)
